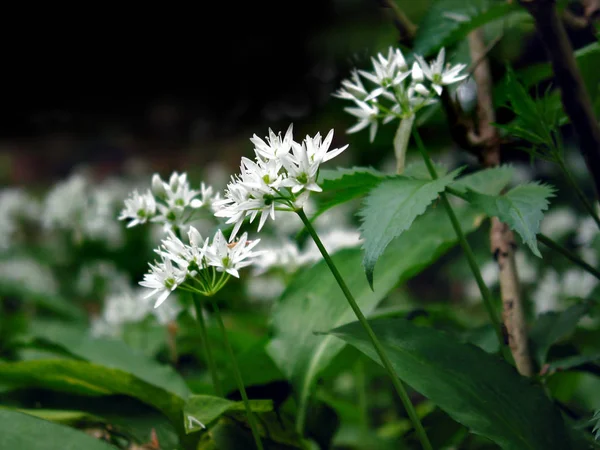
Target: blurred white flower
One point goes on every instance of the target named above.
(546, 297)
(16, 206)
(587, 231)
(65, 203)
(28, 275)
(367, 115)
(100, 278)
(577, 283)
(558, 222)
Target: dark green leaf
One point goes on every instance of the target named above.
(22, 431)
(450, 21)
(201, 410)
(475, 388)
(342, 185)
(391, 208)
(85, 378)
(488, 181)
(596, 423)
(573, 361)
(551, 327)
(110, 353)
(314, 302)
(521, 208)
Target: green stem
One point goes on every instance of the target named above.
(580, 195)
(387, 364)
(485, 293)
(207, 350)
(568, 254)
(238, 378)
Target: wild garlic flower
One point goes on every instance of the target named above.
(194, 267)
(281, 177)
(171, 203)
(17, 207)
(398, 91)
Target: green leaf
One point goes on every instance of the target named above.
(521, 208)
(391, 208)
(596, 423)
(342, 185)
(572, 362)
(488, 181)
(477, 389)
(85, 378)
(201, 410)
(314, 302)
(418, 169)
(450, 21)
(22, 431)
(110, 353)
(551, 327)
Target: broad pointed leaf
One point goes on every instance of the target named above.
(111, 353)
(450, 21)
(342, 185)
(22, 431)
(487, 181)
(314, 302)
(521, 208)
(391, 208)
(550, 327)
(201, 410)
(84, 378)
(477, 389)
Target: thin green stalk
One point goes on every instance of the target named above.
(485, 293)
(387, 364)
(580, 195)
(568, 254)
(207, 350)
(238, 378)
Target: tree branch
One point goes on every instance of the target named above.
(502, 240)
(575, 99)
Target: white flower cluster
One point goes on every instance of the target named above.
(398, 91)
(16, 206)
(28, 275)
(281, 177)
(171, 203)
(193, 267)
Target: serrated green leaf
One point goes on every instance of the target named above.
(477, 389)
(488, 181)
(314, 302)
(550, 327)
(22, 431)
(521, 208)
(449, 21)
(201, 410)
(110, 353)
(418, 169)
(391, 208)
(342, 185)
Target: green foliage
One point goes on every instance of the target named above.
(85, 378)
(521, 208)
(596, 424)
(314, 302)
(110, 353)
(391, 208)
(550, 327)
(487, 181)
(342, 185)
(201, 410)
(477, 389)
(450, 21)
(22, 431)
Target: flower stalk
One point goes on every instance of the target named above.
(387, 364)
(238, 378)
(210, 360)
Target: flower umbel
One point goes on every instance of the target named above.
(280, 178)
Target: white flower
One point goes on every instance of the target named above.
(231, 257)
(577, 283)
(558, 222)
(65, 203)
(587, 232)
(388, 72)
(139, 208)
(16, 205)
(438, 75)
(275, 147)
(367, 115)
(28, 275)
(352, 89)
(546, 296)
(207, 197)
(163, 279)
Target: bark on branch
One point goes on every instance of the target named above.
(502, 240)
(575, 99)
